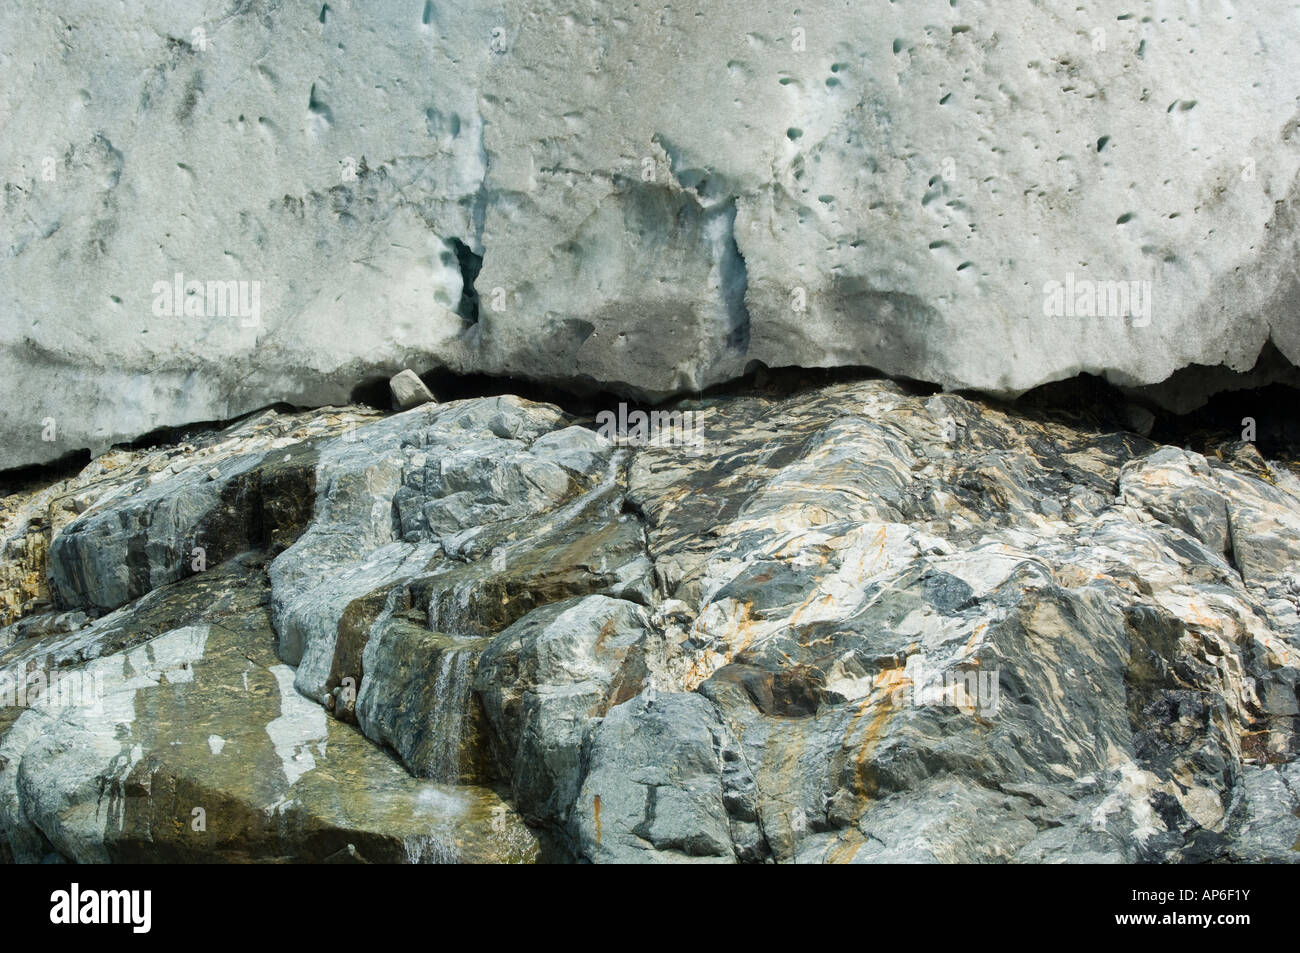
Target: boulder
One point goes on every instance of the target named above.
(409, 391)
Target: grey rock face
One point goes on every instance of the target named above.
(546, 677)
(1262, 829)
(662, 786)
(1178, 489)
(846, 624)
(630, 198)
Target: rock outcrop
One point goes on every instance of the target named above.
(210, 208)
(845, 623)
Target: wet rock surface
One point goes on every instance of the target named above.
(192, 745)
(850, 622)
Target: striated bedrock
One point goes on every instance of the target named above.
(850, 623)
(647, 199)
